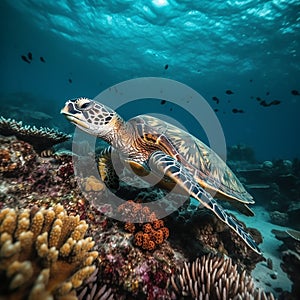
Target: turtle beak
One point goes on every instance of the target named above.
(74, 118)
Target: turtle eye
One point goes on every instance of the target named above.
(83, 104)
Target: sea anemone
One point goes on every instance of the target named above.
(215, 278)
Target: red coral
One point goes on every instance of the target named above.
(148, 235)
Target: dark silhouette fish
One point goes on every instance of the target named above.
(258, 99)
(235, 111)
(216, 110)
(70, 80)
(24, 58)
(166, 67)
(216, 99)
(29, 55)
(295, 93)
(229, 92)
(267, 93)
(162, 102)
(42, 59)
(274, 102)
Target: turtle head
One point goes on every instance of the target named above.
(91, 117)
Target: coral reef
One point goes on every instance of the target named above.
(241, 153)
(203, 233)
(16, 157)
(123, 270)
(27, 179)
(43, 253)
(41, 138)
(275, 185)
(215, 278)
(290, 252)
(131, 272)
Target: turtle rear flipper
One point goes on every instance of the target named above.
(170, 167)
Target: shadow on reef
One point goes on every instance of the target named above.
(188, 254)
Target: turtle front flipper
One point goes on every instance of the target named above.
(107, 161)
(164, 164)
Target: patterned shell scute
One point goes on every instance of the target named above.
(207, 167)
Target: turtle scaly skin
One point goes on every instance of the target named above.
(150, 146)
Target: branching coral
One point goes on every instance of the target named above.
(41, 138)
(43, 253)
(215, 278)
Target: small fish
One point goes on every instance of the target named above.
(258, 99)
(295, 93)
(162, 102)
(42, 59)
(216, 99)
(264, 103)
(70, 80)
(251, 97)
(166, 67)
(235, 111)
(267, 93)
(274, 102)
(216, 110)
(171, 109)
(251, 80)
(24, 58)
(229, 92)
(29, 55)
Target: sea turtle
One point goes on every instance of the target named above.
(150, 145)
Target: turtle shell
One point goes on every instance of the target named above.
(209, 170)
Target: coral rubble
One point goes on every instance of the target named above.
(43, 253)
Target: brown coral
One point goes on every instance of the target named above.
(15, 157)
(41, 139)
(215, 278)
(43, 253)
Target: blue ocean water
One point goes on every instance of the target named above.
(80, 48)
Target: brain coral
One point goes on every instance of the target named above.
(43, 254)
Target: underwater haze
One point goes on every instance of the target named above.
(241, 56)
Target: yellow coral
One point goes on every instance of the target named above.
(43, 254)
(93, 184)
